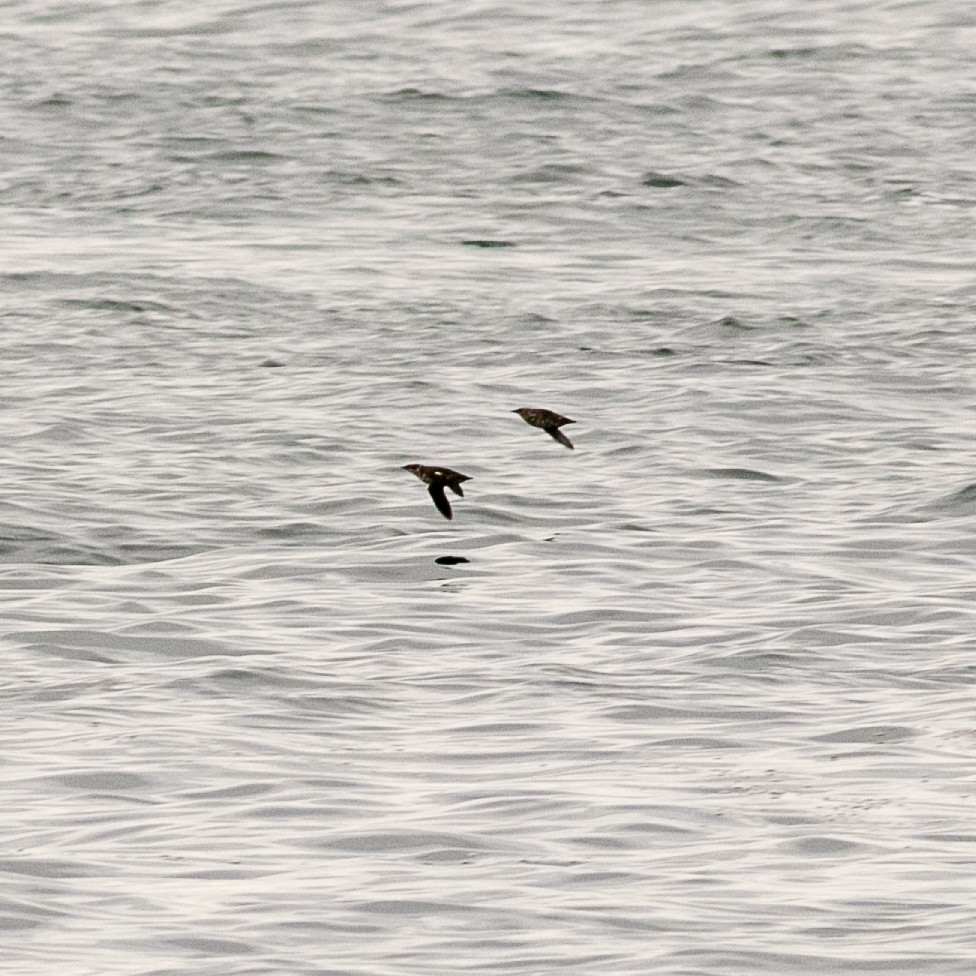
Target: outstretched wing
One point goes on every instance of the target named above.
(440, 500)
(557, 435)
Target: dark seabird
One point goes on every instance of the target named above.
(550, 422)
(435, 479)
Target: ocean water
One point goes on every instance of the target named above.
(700, 702)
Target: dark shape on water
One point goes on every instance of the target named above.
(548, 421)
(451, 560)
(436, 479)
(662, 181)
(483, 242)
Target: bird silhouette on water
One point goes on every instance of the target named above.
(437, 479)
(548, 421)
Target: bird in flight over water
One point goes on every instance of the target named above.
(436, 479)
(548, 421)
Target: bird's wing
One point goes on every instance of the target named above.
(440, 500)
(557, 435)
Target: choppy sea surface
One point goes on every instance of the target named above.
(701, 700)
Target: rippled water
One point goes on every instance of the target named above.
(700, 701)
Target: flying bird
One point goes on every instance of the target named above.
(436, 479)
(548, 421)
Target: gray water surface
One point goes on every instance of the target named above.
(700, 703)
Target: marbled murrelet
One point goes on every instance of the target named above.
(436, 478)
(548, 421)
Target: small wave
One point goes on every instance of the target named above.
(961, 502)
(538, 94)
(417, 94)
(115, 305)
(865, 734)
(742, 474)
